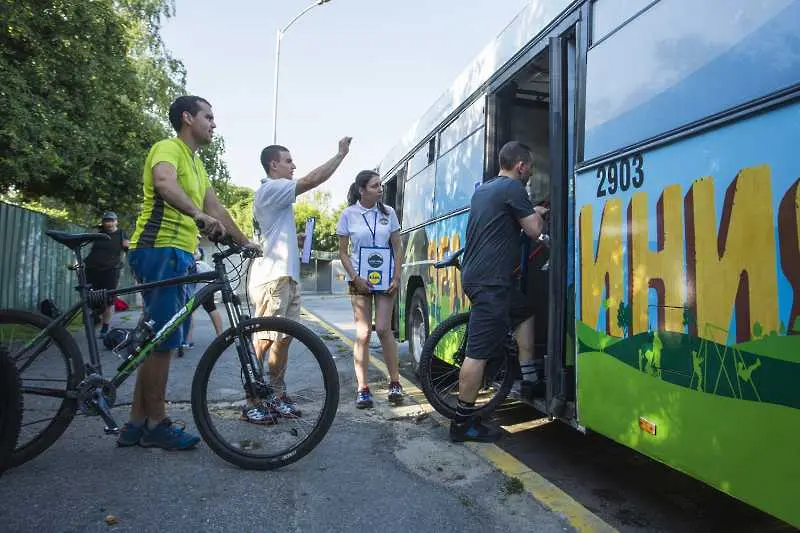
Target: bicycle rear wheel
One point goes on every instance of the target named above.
(10, 408)
(218, 397)
(440, 364)
(50, 371)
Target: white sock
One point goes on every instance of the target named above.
(529, 372)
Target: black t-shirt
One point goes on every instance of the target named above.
(107, 254)
(492, 250)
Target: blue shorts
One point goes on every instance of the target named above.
(158, 264)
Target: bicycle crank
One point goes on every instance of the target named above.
(96, 397)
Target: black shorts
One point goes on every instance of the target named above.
(107, 279)
(208, 303)
(493, 312)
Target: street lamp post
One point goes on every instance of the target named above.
(278, 38)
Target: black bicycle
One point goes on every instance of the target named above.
(10, 408)
(57, 382)
(444, 351)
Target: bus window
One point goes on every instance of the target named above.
(420, 185)
(393, 192)
(458, 172)
(679, 69)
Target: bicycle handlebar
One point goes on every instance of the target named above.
(234, 248)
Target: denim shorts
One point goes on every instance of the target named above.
(158, 264)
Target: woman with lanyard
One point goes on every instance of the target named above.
(372, 231)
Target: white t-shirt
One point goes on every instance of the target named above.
(273, 215)
(359, 223)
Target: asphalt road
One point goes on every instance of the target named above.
(381, 469)
(627, 490)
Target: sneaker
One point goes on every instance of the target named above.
(364, 399)
(473, 429)
(258, 414)
(282, 406)
(130, 434)
(168, 436)
(188, 345)
(395, 392)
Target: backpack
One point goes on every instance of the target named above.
(48, 308)
(114, 337)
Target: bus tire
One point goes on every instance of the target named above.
(417, 325)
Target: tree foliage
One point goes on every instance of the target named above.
(318, 205)
(85, 93)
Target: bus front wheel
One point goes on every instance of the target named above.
(417, 326)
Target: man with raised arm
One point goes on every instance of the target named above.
(274, 278)
(178, 198)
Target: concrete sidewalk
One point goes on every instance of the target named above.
(377, 469)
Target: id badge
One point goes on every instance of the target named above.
(375, 266)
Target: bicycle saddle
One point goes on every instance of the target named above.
(452, 260)
(75, 240)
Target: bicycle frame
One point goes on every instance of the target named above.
(216, 281)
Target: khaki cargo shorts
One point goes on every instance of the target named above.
(276, 298)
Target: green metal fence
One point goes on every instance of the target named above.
(32, 265)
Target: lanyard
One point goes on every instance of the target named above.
(372, 230)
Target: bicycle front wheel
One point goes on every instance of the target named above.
(440, 364)
(50, 371)
(299, 395)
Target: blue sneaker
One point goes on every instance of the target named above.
(168, 436)
(473, 429)
(130, 434)
(364, 399)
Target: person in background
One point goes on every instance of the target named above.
(104, 263)
(368, 222)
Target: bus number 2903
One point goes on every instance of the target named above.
(620, 175)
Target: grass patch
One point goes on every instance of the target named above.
(466, 502)
(513, 485)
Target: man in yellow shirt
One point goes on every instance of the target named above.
(177, 196)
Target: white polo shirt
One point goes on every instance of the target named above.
(366, 227)
(273, 213)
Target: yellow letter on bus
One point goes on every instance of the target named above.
(603, 272)
(735, 268)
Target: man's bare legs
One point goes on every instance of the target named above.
(149, 392)
(469, 379)
(531, 380)
(216, 319)
(277, 360)
(108, 314)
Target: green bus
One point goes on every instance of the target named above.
(669, 317)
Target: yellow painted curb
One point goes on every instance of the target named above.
(537, 486)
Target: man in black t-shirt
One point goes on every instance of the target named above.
(500, 207)
(104, 262)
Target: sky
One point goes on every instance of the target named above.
(361, 68)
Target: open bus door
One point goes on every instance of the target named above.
(536, 104)
(560, 360)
